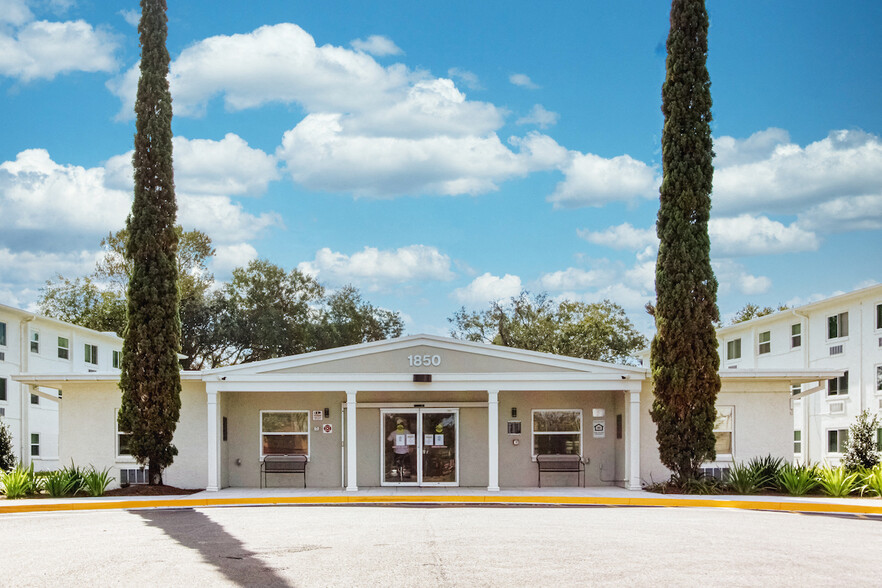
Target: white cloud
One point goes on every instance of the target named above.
(733, 276)
(729, 151)
(573, 279)
(791, 179)
(37, 267)
(487, 288)
(539, 116)
(622, 236)
(43, 49)
(522, 80)
(222, 219)
(849, 213)
(749, 235)
(377, 45)
(133, 17)
(468, 78)
(378, 269)
(15, 12)
(228, 257)
(591, 180)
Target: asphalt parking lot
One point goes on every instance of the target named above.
(437, 546)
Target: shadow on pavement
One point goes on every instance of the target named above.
(196, 531)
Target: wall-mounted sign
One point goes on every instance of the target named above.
(316, 415)
(328, 428)
(599, 429)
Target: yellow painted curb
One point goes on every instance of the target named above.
(771, 505)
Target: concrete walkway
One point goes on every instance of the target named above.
(600, 496)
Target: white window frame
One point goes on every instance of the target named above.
(2, 334)
(90, 353)
(879, 378)
(795, 337)
(729, 354)
(838, 381)
(840, 442)
(841, 319)
(34, 340)
(65, 348)
(878, 317)
(730, 429)
(35, 445)
(580, 432)
(115, 358)
(767, 343)
(4, 390)
(262, 433)
(797, 440)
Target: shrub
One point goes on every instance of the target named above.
(872, 481)
(60, 483)
(95, 482)
(7, 457)
(743, 479)
(766, 471)
(19, 482)
(76, 475)
(837, 481)
(861, 452)
(797, 480)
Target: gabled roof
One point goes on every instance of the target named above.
(542, 361)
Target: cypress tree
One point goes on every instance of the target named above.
(684, 358)
(150, 380)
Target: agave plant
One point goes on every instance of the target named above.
(797, 480)
(96, 482)
(742, 479)
(872, 481)
(766, 471)
(19, 482)
(60, 483)
(837, 481)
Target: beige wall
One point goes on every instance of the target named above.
(242, 410)
(763, 425)
(88, 432)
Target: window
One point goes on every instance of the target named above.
(733, 349)
(724, 430)
(35, 399)
(3, 389)
(284, 432)
(795, 335)
(797, 442)
(91, 353)
(838, 386)
(878, 323)
(557, 432)
(35, 444)
(3, 334)
(115, 359)
(837, 325)
(122, 444)
(765, 342)
(879, 378)
(63, 348)
(836, 440)
(35, 342)
(795, 389)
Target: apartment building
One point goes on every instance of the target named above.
(30, 342)
(844, 333)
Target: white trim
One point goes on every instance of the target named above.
(632, 443)
(212, 405)
(351, 437)
(493, 441)
(533, 428)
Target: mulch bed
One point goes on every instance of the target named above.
(147, 490)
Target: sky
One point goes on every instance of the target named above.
(440, 155)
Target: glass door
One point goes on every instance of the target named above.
(419, 447)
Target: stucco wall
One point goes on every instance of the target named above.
(88, 432)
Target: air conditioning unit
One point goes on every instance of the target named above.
(836, 350)
(837, 408)
(133, 476)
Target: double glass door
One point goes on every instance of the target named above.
(419, 447)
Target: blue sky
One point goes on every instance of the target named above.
(443, 154)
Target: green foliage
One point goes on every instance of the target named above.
(150, 379)
(871, 481)
(837, 481)
(60, 483)
(19, 482)
(743, 479)
(751, 311)
(7, 455)
(766, 470)
(861, 452)
(347, 319)
(599, 331)
(684, 359)
(96, 482)
(83, 302)
(797, 480)
(75, 475)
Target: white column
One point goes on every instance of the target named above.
(632, 442)
(493, 440)
(213, 438)
(351, 453)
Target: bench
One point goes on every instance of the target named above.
(282, 464)
(568, 464)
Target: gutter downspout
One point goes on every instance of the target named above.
(861, 355)
(25, 392)
(806, 341)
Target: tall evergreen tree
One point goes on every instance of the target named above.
(150, 379)
(684, 358)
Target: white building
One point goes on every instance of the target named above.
(841, 333)
(30, 342)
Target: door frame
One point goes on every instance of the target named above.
(418, 411)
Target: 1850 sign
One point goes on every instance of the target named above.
(424, 360)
